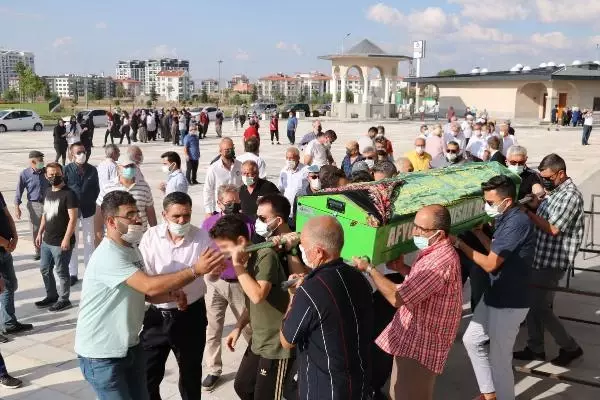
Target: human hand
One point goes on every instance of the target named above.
(65, 245)
(181, 299)
(38, 241)
(299, 281)
(209, 260)
(17, 212)
(12, 245)
(287, 241)
(232, 338)
(361, 263)
(239, 256)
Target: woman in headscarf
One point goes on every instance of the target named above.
(60, 141)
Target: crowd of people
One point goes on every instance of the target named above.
(339, 330)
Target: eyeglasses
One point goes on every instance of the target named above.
(424, 229)
(453, 151)
(521, 163)
(551, 177)
(130, 216)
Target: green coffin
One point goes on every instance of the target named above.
(377, 217)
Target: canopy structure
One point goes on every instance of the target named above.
(364, 57)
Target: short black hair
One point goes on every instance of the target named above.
(454, 143)
(251, 145)
(553, 162)
(230, 227)
(386, 167)
(361, 177)
(329, 176)
(502, 184)
(280, 204)
(176, 198)
(331, 134)
(373, 129)
(113, 200)
(76, 144)
(172, 157)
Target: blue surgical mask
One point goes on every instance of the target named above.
(422, 242)
(128, 173)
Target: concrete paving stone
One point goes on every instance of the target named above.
(47, 353)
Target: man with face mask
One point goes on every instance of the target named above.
(33, 181)
(419, 158)
(82, 179)
(56, 239)
(451, 157)
(370, 155)
(505, 303)
(516, 160)
(225, 170)
(332, 309)
(139, 190)
(176, 180)
(116, 287)
(293, 175)
(559, 233)
(429, 303)
(352, 156)
(318, 151)
(456, 135)
(310, 186)
(253, 188)
(477, 144)
(167, 248)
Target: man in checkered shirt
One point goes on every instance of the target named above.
(559, 232)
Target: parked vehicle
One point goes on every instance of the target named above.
(20, 120)
(260, 108)
(323, 109)
(298, 107)
(212, 112)
(100, 117)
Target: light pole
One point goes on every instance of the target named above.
(219, 83)
(343, 40)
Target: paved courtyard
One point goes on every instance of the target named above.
(45, 360)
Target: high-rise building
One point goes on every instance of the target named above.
(146, 71)
(173, 85)
(8, 62)
(74, 86)
(209, 86)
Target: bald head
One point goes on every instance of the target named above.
(135, 154)
(403, 164)
(434, 217)
(322, 239)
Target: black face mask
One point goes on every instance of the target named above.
(548, 184)
(230, 155)
(232, 208)
(55, 180)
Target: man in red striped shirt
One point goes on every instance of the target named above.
(429, 303)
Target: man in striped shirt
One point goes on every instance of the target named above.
(330, 319)
(140, 190)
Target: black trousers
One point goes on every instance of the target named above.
(107, 135)
(184, 333)
(134, 134)
(125, 133)
(259, 378)
(61, 152)
(276, 135)
(191, 170)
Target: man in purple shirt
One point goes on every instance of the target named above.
(222, 292)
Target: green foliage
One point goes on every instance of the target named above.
(236, 100)
(10, 95)
(279, 98)
(153, 94)
(120, 91)
(149, 103)
(98, 92)
(447, 72)
(254, 95)
(30, 84)
(349, 96)
(315, 98)
(203, 96)
(117, 102)
(326, 98)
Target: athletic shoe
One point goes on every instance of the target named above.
(9, 382)
(17, 327)
(45, 303)
(61, 305)
(209, 383)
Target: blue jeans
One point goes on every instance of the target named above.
(7, 297)
(182, 133)
(291, 136)
(117, 378)
(54, 258)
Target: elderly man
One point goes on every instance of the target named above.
(456, 135)
(384, 170)
(429, 303)
(491, 334)
(134, 153)
(559, 232)
(419, 158)
(516, 160)
(352, 156)
(370, 156)
(404, 165)
(310, 136)
(107, 169)
(33, 181)
(315, 320)
(225, 170)
(477, 145)
(251, 147)
(508, 140)
(140, 191)
(293, 176)
(451, 157)
(318, 151)
(253, 188)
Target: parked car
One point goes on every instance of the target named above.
(100, 117)
(195, 111)
(324, 109)
(212, 112)
(20, 120)
(261, 108)
(298, 107)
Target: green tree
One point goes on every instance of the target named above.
(254, 95)
(349, 96)
(203, 96)
(236, 99)
(10, 95)
(315, 97)
(153, 93)
(326, 98)
(120, 91)
(447, 72)
(117, 102)
(149, 103)
(98, 91)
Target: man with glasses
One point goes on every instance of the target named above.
(559, 231)
(451, 157)
(225, 170)
(253, 188)
(516, 160)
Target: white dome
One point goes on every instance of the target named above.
(475, 70)
(543, 65)
(562, 65)
(551, 64)
(576, 62)
(519, 66)
(515, 69)
(526, 69)
(483, 71)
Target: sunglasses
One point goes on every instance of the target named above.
(521, 163)
(313, 177)
(453, 151)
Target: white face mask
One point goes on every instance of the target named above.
(493, 211)
(179, 230)
(291, 164)
(477, 133)
(80, 158)
(248, 180)
(517, 169)
(370, 163)
(451, 156)
(315, 184)
(420, 149)
(262, 229)
(166, 169)
(134, 234)
(304, 257)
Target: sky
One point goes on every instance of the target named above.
(262, 37)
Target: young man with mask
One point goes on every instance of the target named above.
(419, 158)
(559, 233)
(176, 181)
(491, 334)
(253, 188)
(82, 179)
(451, 157)
(225, 170)
(167, 248)
(318, 151)
(115, 288)
(32, 180)
(429, 303)
(263, 369)
(56, 239)
(139, 190)
(516, 160)
(224, 291)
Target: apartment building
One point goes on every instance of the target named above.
(71, 86)
(146, 71)
(8, 63)
(173, 85)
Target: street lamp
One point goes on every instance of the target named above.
(343, 40)
(219, 83)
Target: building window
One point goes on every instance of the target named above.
(596, 103)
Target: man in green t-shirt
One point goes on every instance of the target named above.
(264, 367)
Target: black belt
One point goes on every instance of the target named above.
(172, 311)
(233, 280)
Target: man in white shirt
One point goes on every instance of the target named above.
(455, 135)
(107, 169)
(292, 177)
(447, 127)
(367, 140)
(477, 145)
(167, 248)
(507, 139)
(467, 127)
(251, 147)
(317, 152)
(225, 170)
(588, 122)
(176, 180)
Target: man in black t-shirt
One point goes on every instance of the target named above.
(253, 188)
(56, 239)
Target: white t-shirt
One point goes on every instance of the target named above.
(477, 146)
(588, 121)
(318, 152)
(363, 142)
(467, 129)
(507, 141)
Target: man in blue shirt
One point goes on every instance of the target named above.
(191, 149)
(33, 181)
(291, 127)
(171, 165)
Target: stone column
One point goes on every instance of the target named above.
(387, 81)
(365, 72)
(343, 88)
(551, 99)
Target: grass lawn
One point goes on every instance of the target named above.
(40, 108)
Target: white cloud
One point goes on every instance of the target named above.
(494, 9)
(162, 50)
(431, 21)
(281, 45)
(567, 10)
(553, 40)
(242, 55)
(297, 49)
(62, 41)
(472, 31)
(385, 14)
(101, 25)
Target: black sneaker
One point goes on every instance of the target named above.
(209, 383)
(9, 382)
(74, 280)
(61, 305)
(17, 327)
(567, 357)
(45, 303)
(4, 339)
(36, 257)
(529, 355)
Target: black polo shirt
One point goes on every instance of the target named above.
(331, 322)
(262, 188)
(514, 241)
(528, 178)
